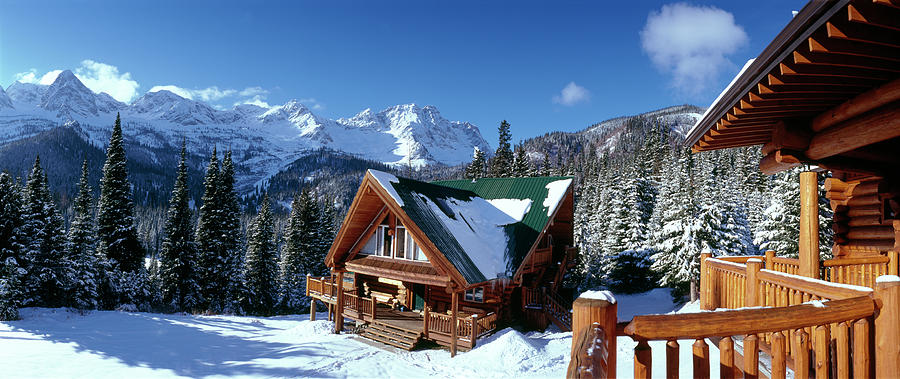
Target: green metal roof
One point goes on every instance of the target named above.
(415, 196)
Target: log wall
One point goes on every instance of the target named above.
(865, 218)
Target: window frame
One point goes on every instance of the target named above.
(474, 295)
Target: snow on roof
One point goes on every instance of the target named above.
(384, 179)
(555, 192)
(479, 228)
(599, 295)
(721, 95)
(515, 208)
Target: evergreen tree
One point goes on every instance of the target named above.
(297, 242)
(123, 277)
(230, 243)
(209, 239)
(261, 264)
(521, 164)
(476, 169)
(178, 274)
(545, 166)
(49, 268)
(82, 249)
(12, 291)
(780, 229)
(502, 164)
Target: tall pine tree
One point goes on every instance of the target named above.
(209, 238)
(261, 264)
(178, 271)
(502, 164)
(49, 268)
(82, 249)
(116, 234)
(230, 243)
(12, 272)
(298, 241)
(477, 168)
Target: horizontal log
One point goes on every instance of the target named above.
(871, 210)
(869, 187)
(748, 321)
(740, 258)
(873, 127)
(870, 245)
(871, 232)
(731, 267)
(770, 164)
(811, 286)
(868, 221)
(856, 261)
(840, 228)
(836, 195)
(865, 200)
(835, 185)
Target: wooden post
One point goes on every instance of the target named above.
(643, 361)
(312, 310)
(307, 285)
(339, 311)
(751, 288)
(894, 256)
(809, 224)
(585, 313)
(454, 306)
(474, 329)
(887, 327)
(821, 351)
(707, 287)
(374, 308)
(779, 365)
(672, 349)
(425, 312)
(701, 359)
(726, 358)
(751, 356)
(770, 259)
(862, 360)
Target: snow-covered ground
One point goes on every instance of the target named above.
(58, 343)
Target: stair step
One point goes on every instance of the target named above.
(394, 330)
(388, 341)
(389, 334)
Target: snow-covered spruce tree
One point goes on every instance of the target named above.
(178, 271)
(12, 272)
(209, 238)
(780, 229)
(502, 163)
(298, 240)
(261, 264)
(49, 268)
(124, 277)
(82, 249)
(546, 169)
(477, 168)
(231, 243)
(521, 164)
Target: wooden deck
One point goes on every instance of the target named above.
(408, 321)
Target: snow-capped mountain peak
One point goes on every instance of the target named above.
(5, 101)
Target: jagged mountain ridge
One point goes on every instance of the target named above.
(263, 140)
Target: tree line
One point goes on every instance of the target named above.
(206, 263)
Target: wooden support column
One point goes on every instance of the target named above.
(339, 311)
(587, 312)
(454, 311)
(809, 225)
(751, 292)
(425, 311)
(708, 296)
(770, 259)
(887, 327)
(312, 310)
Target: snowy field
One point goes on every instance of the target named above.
(58, 343)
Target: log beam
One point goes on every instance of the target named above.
(858, 105)
(873, 127)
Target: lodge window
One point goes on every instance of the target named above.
(383, 240)
(400, 245)
(475, 295)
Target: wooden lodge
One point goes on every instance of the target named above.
(448, 261)
(825, 93)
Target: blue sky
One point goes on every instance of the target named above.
(543, 66)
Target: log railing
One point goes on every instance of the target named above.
(365, 308)
(782, 264)
(860, 271)
(468, 328)
(558, 311)
(532, 298)
(830, 323)
(320, 287)
(725, 284)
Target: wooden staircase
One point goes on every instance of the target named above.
(391, 335)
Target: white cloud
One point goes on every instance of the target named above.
(208, 94)
(31, 76)
(97, 76)
(572, 94)
(101, 77)
(312, 103)
(257, 100)
(691, 43)
(253, 91)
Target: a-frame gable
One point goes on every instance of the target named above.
(370, 206)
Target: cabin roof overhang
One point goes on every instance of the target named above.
(825, 91)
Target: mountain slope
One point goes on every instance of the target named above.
(264, 141)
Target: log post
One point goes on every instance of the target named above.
(587, 312)
(454, 306)
(643, 360)
(374, 307)
(707, 287)
(474, 329)
(751, 356)
(307, 284)
(809, 224)
(726, 358)
(425, 312)
(312, 310)
(894, 256)
(339, 311)
(672, 350)
(770, 259)
(887, 326)
(779, 365)
(751, 288)
(701, 359)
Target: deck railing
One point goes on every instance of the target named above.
(320, 287)
(468, 329)
(363, 308)
(860, 271)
